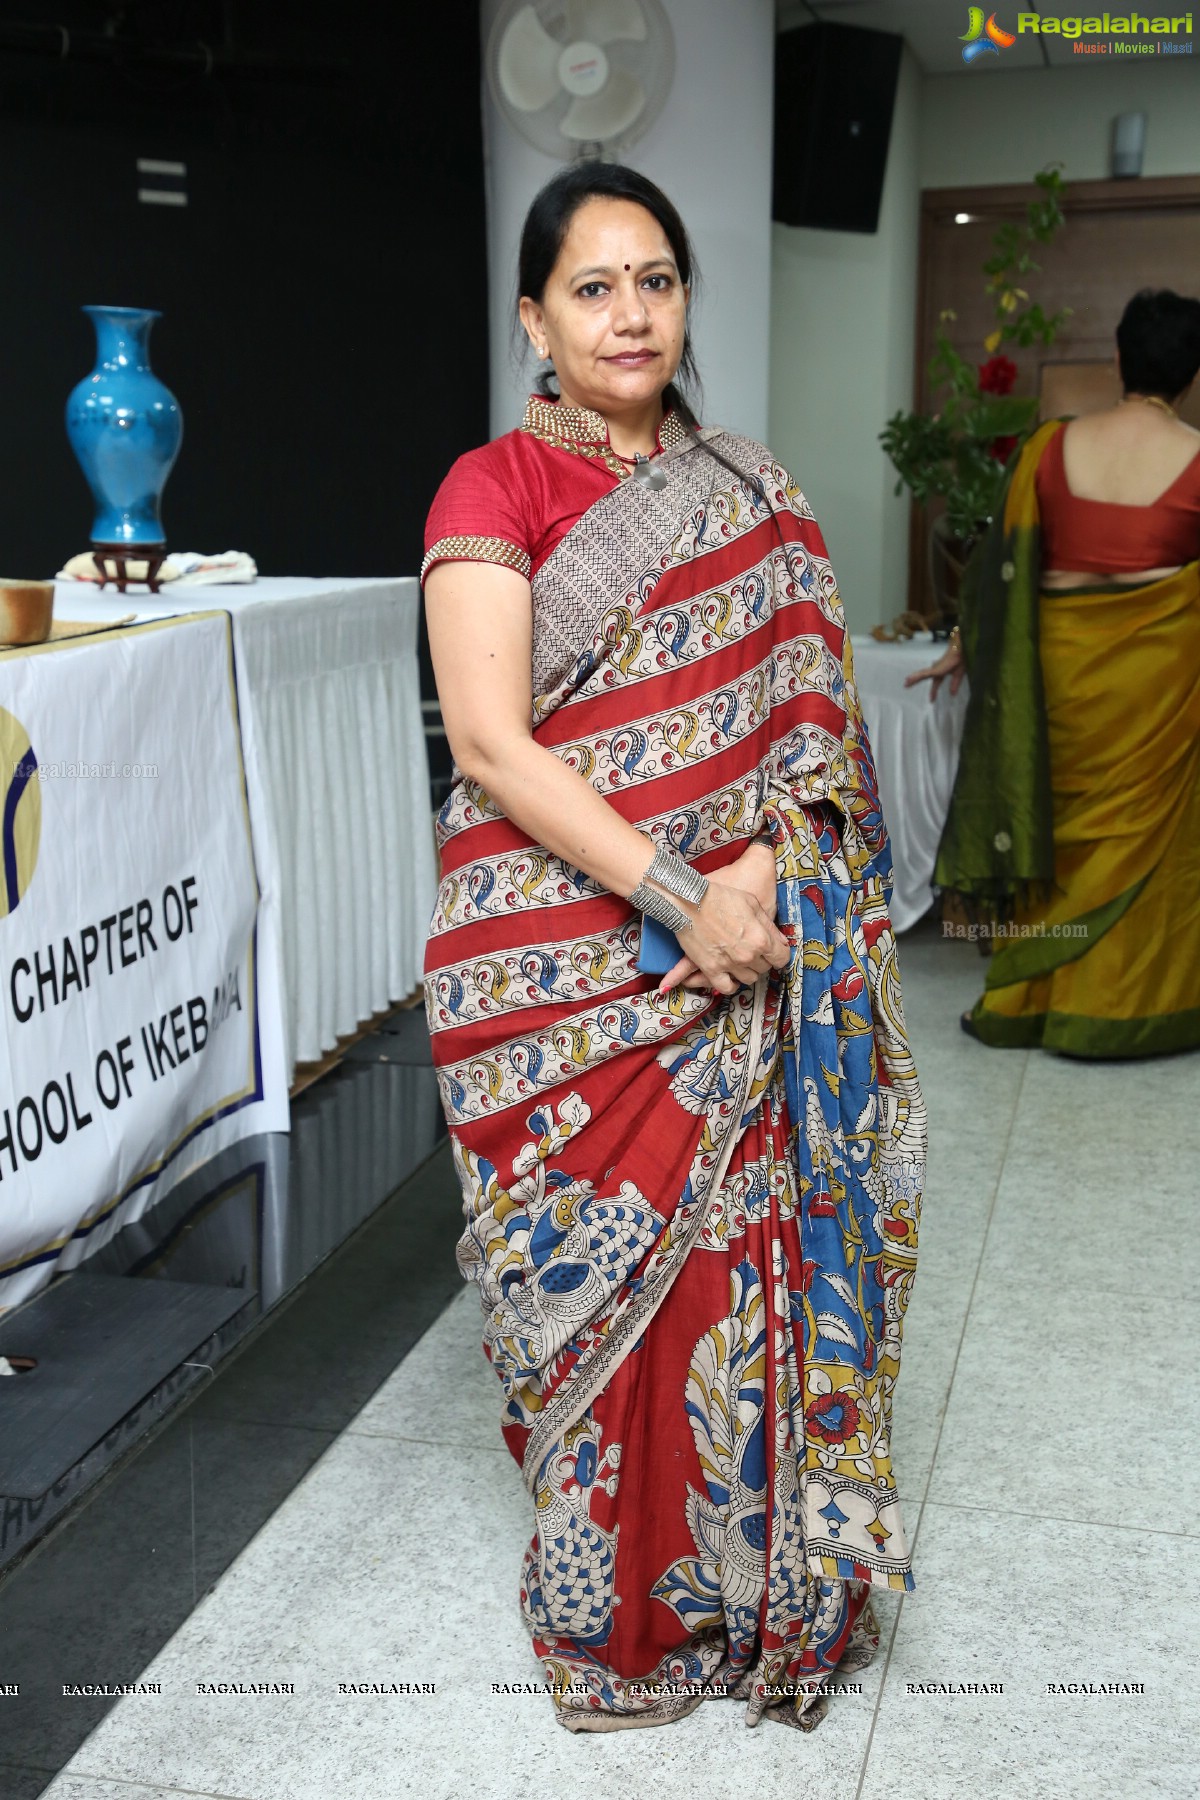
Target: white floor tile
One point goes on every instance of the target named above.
(1025, 1603)
(68, 1786)
(1071, 1404)
(933, 1329)
(445, 1391)
(1101, 1182)
(960, 1190)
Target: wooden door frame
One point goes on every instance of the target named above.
(1155, 193)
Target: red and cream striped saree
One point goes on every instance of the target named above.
(691, 1218)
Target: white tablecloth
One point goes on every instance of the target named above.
(915, 745)
(330, 668)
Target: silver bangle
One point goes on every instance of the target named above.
(671, 872)
(650, 900)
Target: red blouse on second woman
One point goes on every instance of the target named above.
(1107, 537)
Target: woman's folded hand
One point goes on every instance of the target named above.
(732, 938)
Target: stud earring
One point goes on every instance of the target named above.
(543, 349)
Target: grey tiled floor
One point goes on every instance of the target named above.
(1045, 1423)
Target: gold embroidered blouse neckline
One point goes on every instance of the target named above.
(581, 431)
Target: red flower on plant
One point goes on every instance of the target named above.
(1002, 448)
(833, 1416)
(997, 375)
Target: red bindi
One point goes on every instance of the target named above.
(627, 265)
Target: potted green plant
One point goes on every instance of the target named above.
(960, 453)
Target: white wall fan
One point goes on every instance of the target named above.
(581, 78)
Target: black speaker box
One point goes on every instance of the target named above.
(835, 90)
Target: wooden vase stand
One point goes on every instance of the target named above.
(153, 555)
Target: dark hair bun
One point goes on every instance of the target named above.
(1158, 343)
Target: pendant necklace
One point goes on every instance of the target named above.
(649, 473)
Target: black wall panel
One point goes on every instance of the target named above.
(324, 290)
(835, 91)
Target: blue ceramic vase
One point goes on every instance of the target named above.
(125, 427)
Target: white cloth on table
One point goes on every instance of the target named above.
(915, 746)
(191, 567)
(330, 668)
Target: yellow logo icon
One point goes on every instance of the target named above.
(21, 823)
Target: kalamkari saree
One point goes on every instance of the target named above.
(1086, 736)
(692, 1218)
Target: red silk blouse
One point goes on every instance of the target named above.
(1107, 537)
(513, 500)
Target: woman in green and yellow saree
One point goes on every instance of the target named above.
(1075, 821)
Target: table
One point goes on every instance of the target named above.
(330, 670)
(142, 1023)
(915, 745)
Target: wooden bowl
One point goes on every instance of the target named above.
(26, 609)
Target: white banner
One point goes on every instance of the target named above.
(139, 955)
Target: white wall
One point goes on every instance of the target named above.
(1004, 127)
(805, 338)
(710, 151)
(843, 307)
(843, 311)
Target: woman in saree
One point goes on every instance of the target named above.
(690, 1196)
(1075, 820)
